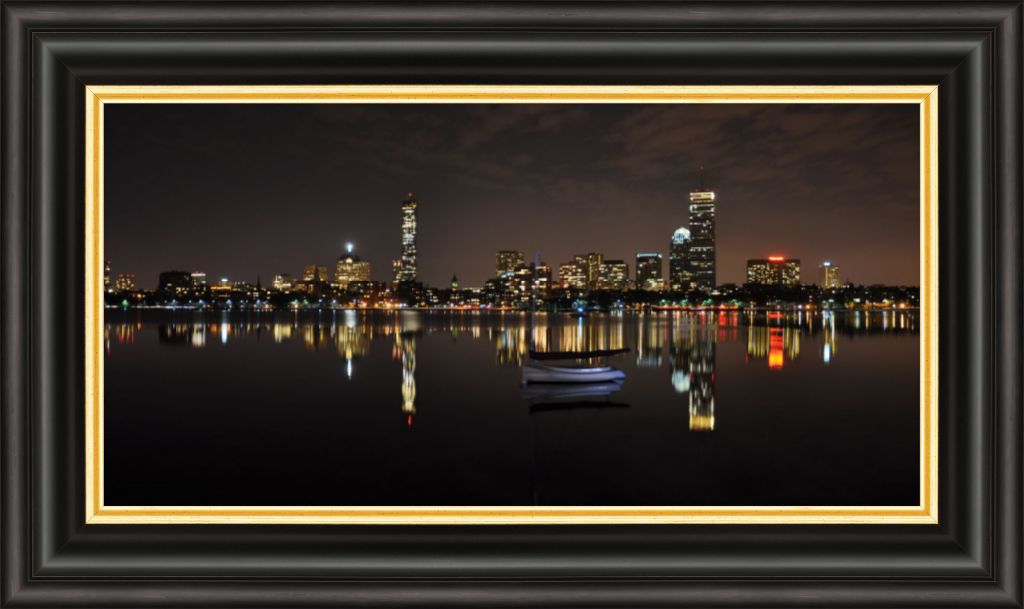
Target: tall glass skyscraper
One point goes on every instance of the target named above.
(678, 267)
(701, 250)
(405, 270)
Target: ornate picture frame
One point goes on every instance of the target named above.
(61, 58)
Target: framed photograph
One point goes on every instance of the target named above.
(601, 400)
(533, 304)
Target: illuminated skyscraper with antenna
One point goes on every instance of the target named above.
(700, 255)
(405, 269)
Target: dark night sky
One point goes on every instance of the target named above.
(241, 190)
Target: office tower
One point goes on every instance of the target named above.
(773, 270)
(314, 272)
(829, 275)
(593, 262)
(542, 279)
(572, 275)
(350, 268)
(679, 274)
(125, 282)
(175, 284)
(106, 276)
(405, 270)
(648, 271)
(508, 261)
(614, 275)
(198, 279)
(701, 249)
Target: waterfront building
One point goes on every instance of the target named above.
(773, 270)
(542, 280)
(572, 275)
(314, 272)
(472, 297)
(198, 279)
(829, 275)
(367, 293)
(593, 262)
(125, 282)
(283, 282)
(648, 271)
(350, 268)
(454, 296)
(679, 274)
(106, 276)
(700, 254)
(405, 270)
(175, 284)
(508, 261)
(613, 275)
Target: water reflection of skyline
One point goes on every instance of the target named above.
(685, 341)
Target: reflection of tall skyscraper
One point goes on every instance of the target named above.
(701, 250)
(679, 275)
(702, 384)
(406, 267)
(649, 341)
(692, 359)
(648, 271)
(828, 324)
(407, 345)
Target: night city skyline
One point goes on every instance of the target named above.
(247, 191)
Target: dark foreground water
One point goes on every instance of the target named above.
(427, 408)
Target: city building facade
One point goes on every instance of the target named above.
(405, 269)
(700, 253)
(648, 271)
(350, 268)
(314, 272)
(679, 274)
(125, 282)
(829, 275)
(508, 261)
(773, 270)
(614, 275)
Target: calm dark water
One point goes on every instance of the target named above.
(427, 408)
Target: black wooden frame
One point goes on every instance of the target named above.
(971, 49)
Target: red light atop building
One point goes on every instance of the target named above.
(776, 258)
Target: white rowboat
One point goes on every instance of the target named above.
(540, 373)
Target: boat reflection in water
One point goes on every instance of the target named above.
(687, 341)
(563, 397)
